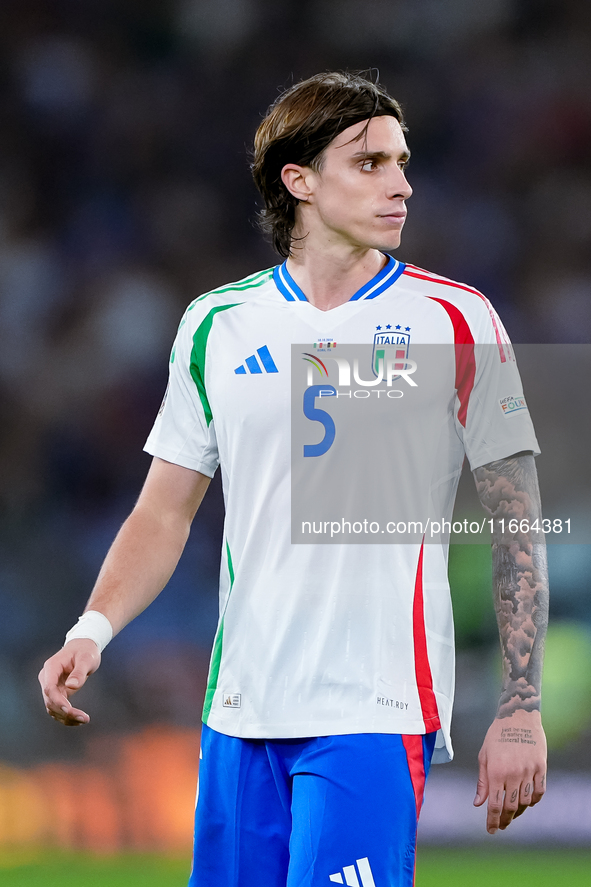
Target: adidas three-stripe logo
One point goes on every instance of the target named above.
(254, 366)
(365, 878)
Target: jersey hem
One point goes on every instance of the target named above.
(179, 459)
(320, 728)
(500, 452)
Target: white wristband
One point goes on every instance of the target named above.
(92, 625)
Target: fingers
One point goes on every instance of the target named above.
(69, 716)
(506, 803)
(539, 788)
(56, 701)
(58, 706)
(503, 804)
(482, 785)
(63, 675)
(60, 709)
(525, 797)
(494, 810)
(511, 804)
(78, 676)
(526, 794)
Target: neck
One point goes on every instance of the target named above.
(329, 277)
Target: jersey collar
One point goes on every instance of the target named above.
(383, 279)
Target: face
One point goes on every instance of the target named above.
(358, 196)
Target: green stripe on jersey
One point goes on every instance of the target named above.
(216, 657)
(246, 283)
(197, 363)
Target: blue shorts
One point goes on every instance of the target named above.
(308, 812)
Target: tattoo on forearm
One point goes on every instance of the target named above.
(509, 489)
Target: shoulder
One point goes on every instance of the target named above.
(230, 295)
(457, 298)
(246, 288)
(436, 286)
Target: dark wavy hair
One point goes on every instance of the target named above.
(298, 127)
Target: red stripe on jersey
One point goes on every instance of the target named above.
(436, 278)
(422, 667)
(465, 361)
(416, 766)
(502, 340)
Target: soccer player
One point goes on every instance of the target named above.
(331, 678)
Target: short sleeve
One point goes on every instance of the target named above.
(181, 433)
(497, 422)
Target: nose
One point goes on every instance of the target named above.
(399, 186)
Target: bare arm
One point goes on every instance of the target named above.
(137, 567)
(512, 761)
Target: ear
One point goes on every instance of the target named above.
(297, 180)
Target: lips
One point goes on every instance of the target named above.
(398, 217)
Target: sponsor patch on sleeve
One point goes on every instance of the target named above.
(512, 404)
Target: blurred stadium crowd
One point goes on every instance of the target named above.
(125, 192)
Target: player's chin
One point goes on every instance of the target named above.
(383, 238)
(388, 243)
(388, 240)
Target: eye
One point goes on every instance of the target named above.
(369, 165)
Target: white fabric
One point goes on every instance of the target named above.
(314, 638)
(92, 625)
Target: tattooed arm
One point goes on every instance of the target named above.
(512, 761)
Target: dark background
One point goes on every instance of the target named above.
(125, 192)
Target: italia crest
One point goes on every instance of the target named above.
(390, 342)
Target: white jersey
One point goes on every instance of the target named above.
(324, 639)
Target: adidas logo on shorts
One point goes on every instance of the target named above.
(352, 878)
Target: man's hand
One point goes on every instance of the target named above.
(63, 675)
(511, 768)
